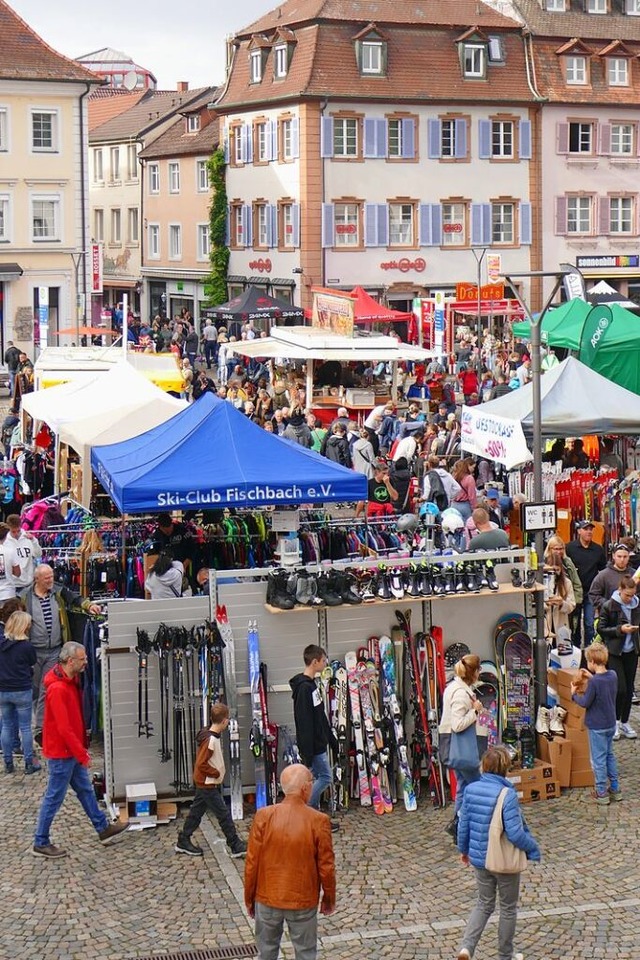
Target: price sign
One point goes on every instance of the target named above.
(284, 521)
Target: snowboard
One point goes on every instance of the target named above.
(391, 705)
(514, 656)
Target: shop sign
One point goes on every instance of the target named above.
(495, 438)
(606, 262)
(494, 267)
(404, 265)
(96, 268)
(438, 320)
(262, 266)
(343, 228)
(333, 312)
(452, 228)
(469, 291)
(180, 286)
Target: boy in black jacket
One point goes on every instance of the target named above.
(313, 732)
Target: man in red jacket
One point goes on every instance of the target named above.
(64, 746)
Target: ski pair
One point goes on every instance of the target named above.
(231, 698)
(263, 736)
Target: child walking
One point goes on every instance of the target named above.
(599, 700)
(208, 776)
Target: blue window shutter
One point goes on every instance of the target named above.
(226, 144)
(525, 140)
(247, 225)
(248, 133)
(383, 225)
(295, 138)
(381, 137)
(370, 148)
(327, 225)
(326, 138)
(480, 224)
(295, 224)
(408, 138)
(461, 139)
(371, 224)
(436, 224)
(424, 224)
(525, 224)
(484, 139)
(434, 136)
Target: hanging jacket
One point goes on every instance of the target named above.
(478, 804)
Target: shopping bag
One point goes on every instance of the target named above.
(502, 855)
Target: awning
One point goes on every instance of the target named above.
(10, 271)
(311, 343)
(120, 284)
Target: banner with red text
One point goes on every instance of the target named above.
(494, 438)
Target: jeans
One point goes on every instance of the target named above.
(463, 778)
(625, 667)
(463, 507)
(16, 714)
(210, 347)
(62, 775)
(508, 886)
(603, 760)
(209, 798)
(302, 926)
(586, 610)
(322, 778)
(47, 659)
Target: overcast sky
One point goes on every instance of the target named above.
(175, 39)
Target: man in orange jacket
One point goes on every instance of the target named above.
(289, 861)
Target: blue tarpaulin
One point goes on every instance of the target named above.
(210, 455)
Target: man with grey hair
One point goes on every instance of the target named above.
(49, 604)
(289, 861)
(64, 744)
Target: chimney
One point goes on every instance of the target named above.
(182, 86)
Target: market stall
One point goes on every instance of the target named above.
(57, 365)
(254, 306)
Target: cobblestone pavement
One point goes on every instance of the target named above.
(402, 890)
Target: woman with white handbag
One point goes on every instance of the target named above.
(494, 838)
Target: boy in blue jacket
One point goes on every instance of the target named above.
(479, 802)
(599, 701)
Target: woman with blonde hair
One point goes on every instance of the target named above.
(460, 709)
(17, 659)
(560, 595)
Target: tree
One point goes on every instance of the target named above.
(216, 282)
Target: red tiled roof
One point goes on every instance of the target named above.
(576, 23)
(551, 82)
(176, 142)
(152, 109)
(460, 13)
(422, 65)
(106, 107)
(25, 56)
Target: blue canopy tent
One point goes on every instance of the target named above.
(210, 455)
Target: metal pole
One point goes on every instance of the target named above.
(479, 253)
(125, 324)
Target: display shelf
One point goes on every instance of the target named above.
(505, 589)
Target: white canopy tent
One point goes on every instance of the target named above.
(313, 343)
(112, 406)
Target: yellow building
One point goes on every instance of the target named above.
(45, 275)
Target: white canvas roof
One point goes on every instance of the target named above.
(311, 343)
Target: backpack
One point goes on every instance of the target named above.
(437, 492)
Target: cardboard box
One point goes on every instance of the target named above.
(558, 753)
(582, 778)
(537, 775)
(552, 678)
(575, 714)
(564, 679)
(579, 740)
(546, 790)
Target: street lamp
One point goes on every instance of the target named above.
(535, 324)
(479, 253)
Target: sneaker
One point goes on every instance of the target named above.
(32, 767)
(239, 849)
(37, 737)
(627, 731)
(618, 733)
(518, 956)
(9, 768)
(185, 845)
(49, 852)
(602, 798)
(635, 700)
(111, 833)
(335, 826)
(464, 954)
(615, 794)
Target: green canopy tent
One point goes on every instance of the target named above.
(618, 353)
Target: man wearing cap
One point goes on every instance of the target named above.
(607, 581)
(589, 559)
(493, 507)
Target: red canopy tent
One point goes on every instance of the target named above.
(368, 310)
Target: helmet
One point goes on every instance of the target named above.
(452, 522)
(429, 509)
(514, 383)
(407, 523)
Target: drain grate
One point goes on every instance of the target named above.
(220, 953)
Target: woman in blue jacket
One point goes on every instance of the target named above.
(479, 802)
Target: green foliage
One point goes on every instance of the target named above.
(216, 282)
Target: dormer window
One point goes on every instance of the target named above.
(256, 66)
(576, 67)
(281, 60)
(618, 71)
(474, 61)
(193, 123)
(597, 6)
(371, 52)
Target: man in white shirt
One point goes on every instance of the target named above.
(409, 446)
(27, 551)
(210, 338)
(9, 567)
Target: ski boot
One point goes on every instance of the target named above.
(449, 579)
(516, 579)
(543, 722)
(556, 722)
(396, 583)
(348, 588)
(490, 575)
(483, 577)
(437, 576)
(327, 590)
(368, 587)
(307, 590)
(473, 577)
(530, 580)
(413, 581)
(426, 580)
(527, 747)
(384, 587)
(277, 592)
(460, 578)
(510, 741)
